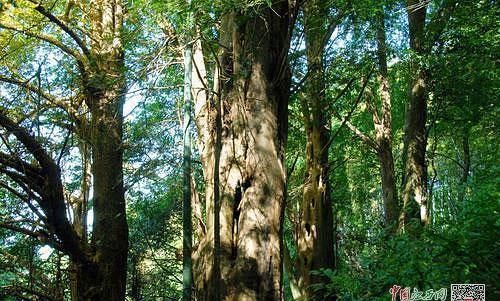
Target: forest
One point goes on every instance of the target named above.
(249, 150)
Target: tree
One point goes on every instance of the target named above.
(187, 225)
(99, 267)
(315, 238)
(415, 174)
(382, 123)
(383, 128)
(69, 156)
(422, 39)
(253, 83)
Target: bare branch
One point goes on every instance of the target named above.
(26, 199)
(365, 138)
(20, 179)
(19, 165)
(26, 139)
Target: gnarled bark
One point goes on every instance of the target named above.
(254, 84)
(315, 242)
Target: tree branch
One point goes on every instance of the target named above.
(20, 179)
(27, 140)
(39, 8)
(62, 103)
(26, 199)
(49, 39)
(345, 119)
(52, 196)
(19, 165)
(365, 138)
(9, 226)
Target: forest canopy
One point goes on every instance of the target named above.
(253, 150)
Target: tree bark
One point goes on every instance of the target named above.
(254, 85)
(105, 91)
(79, 209)
(383, 130)
(315, 243)
(415, 177)
(48, 184)
(187, 226)
(382, 122)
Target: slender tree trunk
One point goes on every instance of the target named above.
(254, 85)
(187, 226)
(382, 122)
(315, 244)
(136, 285)
(465, 167)
(205, 115)
(79, 209)
(415, 177)
(383, 131)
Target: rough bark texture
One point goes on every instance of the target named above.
(105, 91)
(254, 84)
(383, 130)
(314, 230)
(415, 177)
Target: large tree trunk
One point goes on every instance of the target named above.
(315, 243)
(383, 131)
(254, 84)
(105, 97)
(415, 177)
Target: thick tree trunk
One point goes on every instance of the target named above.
(254, 84)
(105, 97)
(415, 177)
(383, 131)
(315, 243)
(110, 231)
(86, 282)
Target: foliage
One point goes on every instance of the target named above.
(459, 246)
